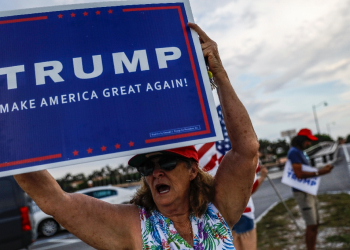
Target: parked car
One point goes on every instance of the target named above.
(47, 226)
(44, 223)
(16, 216)
(110, 194)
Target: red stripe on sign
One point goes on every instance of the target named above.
(204, 149)
(24, 20)
(205, 117)
(43, 158)
(194, 71)
(211, 164)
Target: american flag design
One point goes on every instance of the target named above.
(210, 155)
(249, 210)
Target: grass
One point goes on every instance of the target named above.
(276, 231)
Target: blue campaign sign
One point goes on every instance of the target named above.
(88, 82)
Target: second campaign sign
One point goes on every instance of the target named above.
(89, 82)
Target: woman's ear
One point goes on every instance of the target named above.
(194, 170)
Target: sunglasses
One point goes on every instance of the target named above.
(165, 163)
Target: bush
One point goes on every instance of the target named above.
(347, 139)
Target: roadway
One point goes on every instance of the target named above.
(61, 241)
(337, 180)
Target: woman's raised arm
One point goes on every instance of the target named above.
(98, 223)
(235, 176)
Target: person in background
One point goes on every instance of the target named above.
(308, 203)
(244, 231)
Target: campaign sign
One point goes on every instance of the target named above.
(88, 82)
(309, 185)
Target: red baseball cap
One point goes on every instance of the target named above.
(187, 152)
(307, 132)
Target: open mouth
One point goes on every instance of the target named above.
(162, 188)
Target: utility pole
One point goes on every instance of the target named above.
(315, 115)
(316, 120)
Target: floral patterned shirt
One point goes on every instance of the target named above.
(210, 231)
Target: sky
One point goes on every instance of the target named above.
(282, 57)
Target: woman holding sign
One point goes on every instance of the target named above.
(178, 205)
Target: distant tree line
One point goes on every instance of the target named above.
(347, 139)
(278, 148)
(104, 176)
(126, 174)
(325, 137)
(321, 138)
